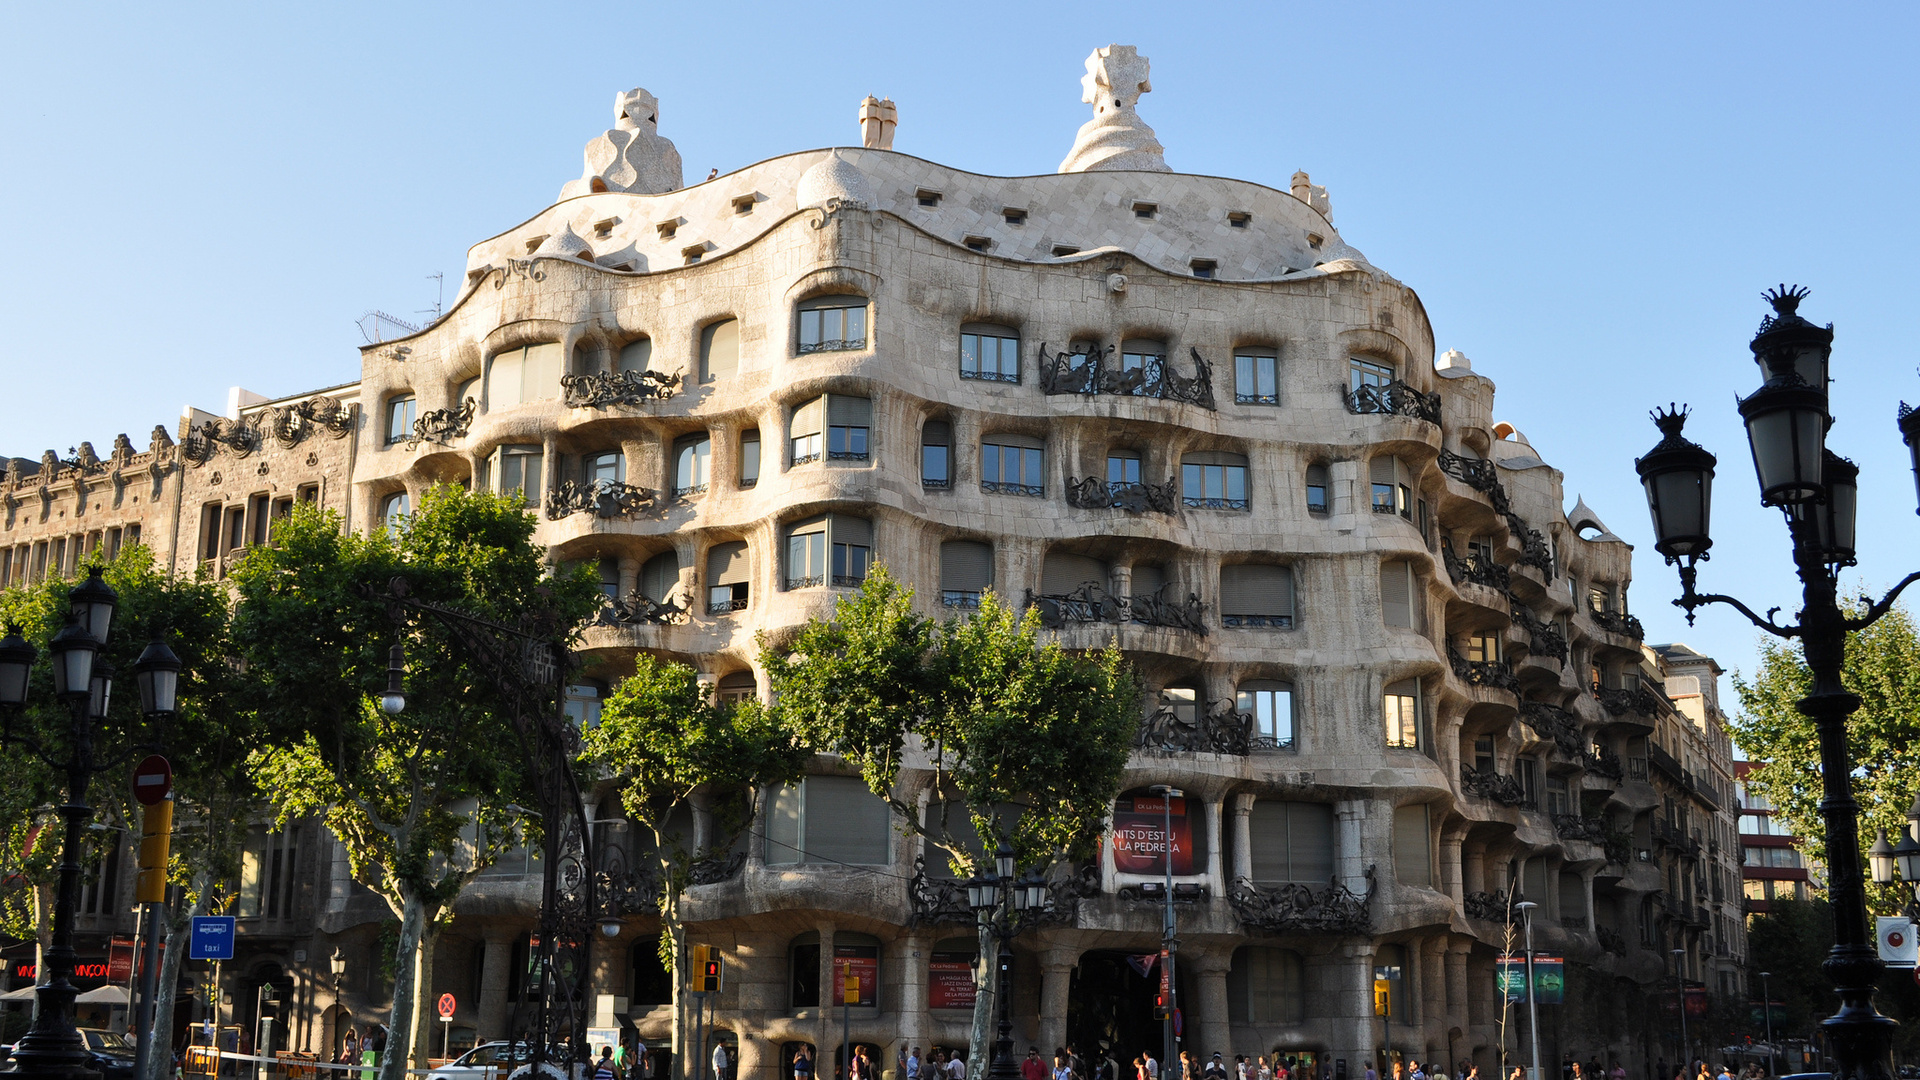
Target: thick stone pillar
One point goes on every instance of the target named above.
(496, 956)
(827, 1029)
(1452, 880)
(1243, 835)
(1473, 867)
(1586, 888)
(1352, 1030)
(1056, 976)
(1213, 1031)
(1459, 1044)
(629, 575)
(907, 965)
(758, 1060)
(1433, 996)
(1349, 860)
(1215, 811)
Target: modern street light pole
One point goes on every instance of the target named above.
(1680, 995)
(1787, 421)
(1525, 907)
(1766, 1006)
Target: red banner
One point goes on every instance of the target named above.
(1140, 836)
(950, 981)
(863, 963)
(120, 960)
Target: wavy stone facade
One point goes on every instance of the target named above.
(1321, 522)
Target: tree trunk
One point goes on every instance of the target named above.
(985, 1001)
(415, 914)
(159, 1063)
(425, 1010)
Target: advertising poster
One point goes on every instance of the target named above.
(1549, 979)
(120, 960)
(860, 962)
(950, 980)
(1510, 977)
(1140, 840)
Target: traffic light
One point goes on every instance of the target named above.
(707, 970)
(1161, 1009)
(156, 834)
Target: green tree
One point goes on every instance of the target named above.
(1883, 667)
(669, 746)
(1790, 941)
(1027, 740)
(423, 799)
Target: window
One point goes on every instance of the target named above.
(735, 688)
(1256, 377)
(989, 352)
(849, 421)
(1559, 799)
(1012, 465)
(1401, 707)
(583, 705)
(660, 576)
(1392, 487)
(1140, 366)
(1014, 215)
(1317, 489)
(1210, 480)
(1203, 268)
(727, 578)
(1266, 986)
(749, 458)
(936, 454)
(846, 541)
(1063, 572)
(833, 324)
(1400, 595)
(803, 432)
(978, 243)
(400, 410)
(1369, 373)
(608, 467)
(1483, 754)
(720, 351)
(926, 197)
(692, 457)
(518, 376)
(1527, 771)
(393, 513)
(828, 819)
(1483, 647)
(852, 550)
(1270, 704)
(1291, 842)
(1238, 218)
(609, 574)
(966, 571)
(1255, 595)
(1145, 209)
(803, 963)
(516, 469)
(1147, 580)
(267, 877)
(1123, 469)
(807, 555)
(635, 356)
(1412, 846)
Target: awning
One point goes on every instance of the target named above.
(25, 993)
(105, 995)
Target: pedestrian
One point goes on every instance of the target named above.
(913, 1064)
(1371, 1074)
(719, 1061)
(603, 1069)
(802, 1064)
(1421, 1074)
(956, 1066)
(349, 1049)
(1139, 1067)
(1153, 1066)
(1216, 1069)
(1033, 1068)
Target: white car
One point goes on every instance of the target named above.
(488, 1061)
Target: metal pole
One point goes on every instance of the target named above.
(149, 984)
(1533, 1007)
(1680, 989)
(1167, 941)
(846, 1026)
(1766, 1006)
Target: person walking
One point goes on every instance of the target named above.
(802, 1064)
(603, 1068)
(1033, 1068)
(1153, 1066)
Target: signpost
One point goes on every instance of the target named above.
(152, 782)
(212, 938)
(446, 1026)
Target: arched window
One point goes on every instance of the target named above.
(826, 820)
(660, 576)
(518, 376)
(1266, 986)
(966, 571)
(936, 455)
(1270, 703)
(400, 414)
(1317, 487)
(832, 324)
(749, 457)
(719, 350)
(635, 356)
(516, 469)
(1013, 464)
(692, 456)
(1390, 963)
(803, 970)
(1256, 376)
(393, 512)
(727, 578)
(1369, 373)
(1291, 842)
(735, 688)
(990, 352)
(1212, 480)
(1256, 595)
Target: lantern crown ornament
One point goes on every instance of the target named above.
(1788, 343)
(1678, 476)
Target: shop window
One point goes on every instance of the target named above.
(1266, 986)
(803, 970)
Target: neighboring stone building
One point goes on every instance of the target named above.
(1393, 678)
(1773, 865)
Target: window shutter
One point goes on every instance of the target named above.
(1310, 841)
(636, 355)
(503, 379)
(845, 822)
(1256, 589)
(720, 350)
(1396, 597)
(1063, 572)
(1534, 880)
(844, 411)
(1008, 438)
(660, 576)
(966, 566)
(806, 418)
(1317, 476)
(1148, 579)
(851, 530)
(1383, 468)
(1412, 846)
(783, 825)
(727, 563)
(1144, 347)
(1267, 841)
(540, 379)
(1214, 457)
(750, 456)
(936, 433)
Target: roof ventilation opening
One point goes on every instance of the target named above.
(926, 198)
(668, 228)
(597, 186)
(1203, 267)
(534, 242)
(978, 243)
(743, 204)
(1145, 210)
(1314, 240)
(1014, 215)
(603, 228)
(693, 254)
(1061, 251)
(1238, 218)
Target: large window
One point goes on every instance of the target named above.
(1317, 487)
(635, 356)
(1291, 842)
(736, 688)
(692, 459)
(605, 467)
(1401, 707)
(749, 457)
(833, 323)
(609, 573)
(727, 577)
(400, 411)
(1483, 647)
(1210, 480)
(852, 549)
(267, 875)
(989, 352)
(1140, 364)
(393, 513)
(1369, 373)
(803, 432)
(1013, 465)
(828, 819)
(1266, 986)
(660, 577)
(936, 455)
(518, 376)
(516, 469)
(1392, 487)
(1270, 704)
(832, 548)
(1256, 377)
(1063, 572)
(1256, 595)
(966, 571)
(849, 425)
(719, 351)
(1123, 469)
(1412, 845)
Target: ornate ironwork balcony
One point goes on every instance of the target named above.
(689, 491)
(1543, 638)
(1620, 702)
(1295, 908)
(1618, 623)
(813, 582)
(936, 901)
(1203, 503)
(957, 598)
(1496, 674)
(1552, 722)
(848, 455)
(805, 459)
(442, 426)
(1220, 729)
(1395, 398)
(598, 391)
(1093, 493)
(849, 581)
(1534, 550)
(1610, 941)
(831, 345)
(716, 868)
(602, 498)
(1006, 487)
(722, 607)
(1575, 827)
(1601, 761)
(1477, 473)
(1505, 790)
(1474, 568)
(1489, 906)
(1257, 622)
(1091, 603)
(640, 609)
(1096, 373)
(991, 376)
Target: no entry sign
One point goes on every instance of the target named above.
(152, 780)
(446, 1006)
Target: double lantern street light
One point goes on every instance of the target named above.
(1903, 857)
(1001, 905)
(82, 679)
(1787, 421)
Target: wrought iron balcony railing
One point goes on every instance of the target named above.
(1203, 503)
(1575, 827)
(1620, 702)
(640, 609)
(1296, 908)
(1488, 906)
(1497, 674)
(442, 426)
(1096, 373)
(1475, 568)
(1091, 603)
(1543, 638)
(1488, 784)
(1187, 729)
(1553, 722)
(959, 598)
(1618, 623)
(1254, 622)
(1003, 487)
(1395, 398)
(722, 607)
(601, 498)
(1610, 941)
(831, 345)
(985, 375)
(1093, 493)
(598, 391)
(1602, 762)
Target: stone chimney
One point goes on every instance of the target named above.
(878, 118)
(1313, 195)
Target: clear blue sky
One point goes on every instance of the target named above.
(1589, 201)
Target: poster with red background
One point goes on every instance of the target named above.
(1139, 835)
(950, 981)
(864, 962)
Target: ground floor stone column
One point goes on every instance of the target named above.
(1433, 997)
(496, 956)
(1352, 1031)
(907, 957)
(758, 975)
(1056, 977)
(1212, 1032)
(1457, 1009)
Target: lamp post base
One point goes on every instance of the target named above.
(53, 1049)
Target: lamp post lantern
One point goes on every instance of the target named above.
(1002, 905)
(1169, 941)
(1787, 420)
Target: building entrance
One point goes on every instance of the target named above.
(1110, 1006)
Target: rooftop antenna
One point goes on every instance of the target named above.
(378, 326)
(439, 295)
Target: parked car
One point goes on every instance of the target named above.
(1807, 1076)
(488, 1061)
(108, 1053)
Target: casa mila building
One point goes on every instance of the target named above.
(1393, 679)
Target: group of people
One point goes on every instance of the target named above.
(633, 1061)
(354, 1048)
(1700, 1070)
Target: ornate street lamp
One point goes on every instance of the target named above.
(1910, 434)
(1000, 905)
(1787, 421)
(394, 701)
(157, 674)
(16, 663)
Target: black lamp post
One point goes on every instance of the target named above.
(1000, 904)
(1787, 422)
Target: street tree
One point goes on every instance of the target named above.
(670, 749)
(425, 798)
(1027, 741)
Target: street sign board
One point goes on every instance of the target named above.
(212, 938)
(446, 1006)
(152, 779)
(1898, 940)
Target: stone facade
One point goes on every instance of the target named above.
(1383, 665)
